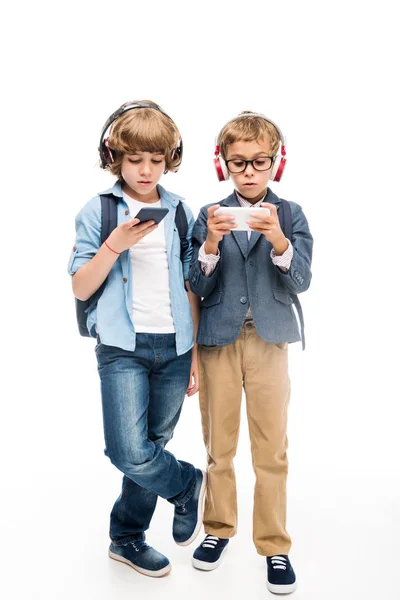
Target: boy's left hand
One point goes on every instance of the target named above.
(270, 228)
(193, 387)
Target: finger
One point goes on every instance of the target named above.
(271, 207)
(147, 230)
(222, 219)
(260, 216)
(144, 225)
(211, 210)
(130, 223)
(222, 228)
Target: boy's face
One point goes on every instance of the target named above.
(141, 172)
(251, 184)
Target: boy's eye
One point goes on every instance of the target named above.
(156, 162)
(134, 161)
(260, 162)
(238, 163)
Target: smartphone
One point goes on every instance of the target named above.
(155, 214)
(242, 214)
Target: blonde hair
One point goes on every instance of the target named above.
(144, 130)
(248, 127)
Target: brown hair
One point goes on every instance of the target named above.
(248, 127)
(144, 130)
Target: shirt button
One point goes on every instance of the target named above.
(243, 300)
(74, 249)
(127, 212)
(124, 280)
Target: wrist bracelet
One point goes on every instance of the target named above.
(115, 252)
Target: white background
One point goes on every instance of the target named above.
(327, 73)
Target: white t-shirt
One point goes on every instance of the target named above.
(151, 304)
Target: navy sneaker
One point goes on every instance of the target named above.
(280, 575)
(208, 555)
(141, 557)
(188, 518)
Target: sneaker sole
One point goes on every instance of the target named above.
(159, 573)
(202, 565)
(281, 589)
(199, 513)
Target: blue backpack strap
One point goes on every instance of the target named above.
(108, 215)
(182, 227)
(109, 221)
(285, 220)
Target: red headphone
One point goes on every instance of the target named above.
(279, 159)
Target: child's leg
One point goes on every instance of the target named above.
(168, 379)
(267, 388)
(132, 512)
(220, 400)
(125, 396)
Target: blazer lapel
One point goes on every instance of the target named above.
(242, 241)
(255, 235)
(239, 236)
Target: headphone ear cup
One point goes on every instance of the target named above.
(107, 156)
(278, 168)
(221, 168)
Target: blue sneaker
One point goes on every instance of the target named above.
(188, 518)
(280, 575)
(141, 557)
(208, 555)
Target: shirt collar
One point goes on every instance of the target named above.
(245, 203)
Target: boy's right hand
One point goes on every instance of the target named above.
(218, 226)
(130, 233)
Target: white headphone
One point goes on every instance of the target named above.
(279, 160)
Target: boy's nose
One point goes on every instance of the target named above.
(249, 170)
(146, 167)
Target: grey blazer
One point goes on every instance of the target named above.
(246, 276)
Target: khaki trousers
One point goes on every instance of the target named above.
(262, 369)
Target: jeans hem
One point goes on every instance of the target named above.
(137, 537)
(176, 501)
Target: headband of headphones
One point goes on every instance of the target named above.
(279, 160)
(107, 155)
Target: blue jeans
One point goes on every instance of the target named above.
(142, 396)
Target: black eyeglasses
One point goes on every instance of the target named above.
(238, 165)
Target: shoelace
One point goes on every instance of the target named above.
(210, 541)
(139, 545)
(278, 562)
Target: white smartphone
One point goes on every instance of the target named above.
(242, 214)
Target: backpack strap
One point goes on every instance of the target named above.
(182, 227)
(108, 224)
(108, 215)
(109, 218)
(285, 220)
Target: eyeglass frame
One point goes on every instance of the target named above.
(272, 158)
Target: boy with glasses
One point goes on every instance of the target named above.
(246, 281)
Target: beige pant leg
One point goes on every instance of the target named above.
(267, 388)
(221, 385)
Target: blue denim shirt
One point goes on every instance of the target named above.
(111, 319)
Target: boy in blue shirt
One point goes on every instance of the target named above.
(143, 322)
(247, 280)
